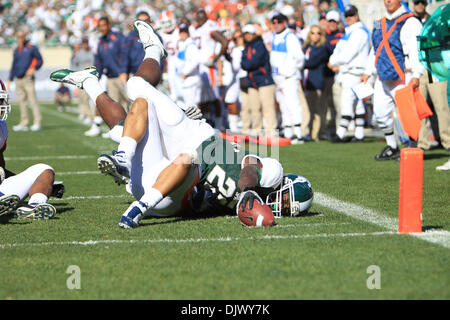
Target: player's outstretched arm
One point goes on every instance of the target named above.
(249, 178)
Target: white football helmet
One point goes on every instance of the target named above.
(294, 197)
(167, 21)
(5, 107)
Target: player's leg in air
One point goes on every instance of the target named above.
(35, 182)
(169, 117)
(180, 136)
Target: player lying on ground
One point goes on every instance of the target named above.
(35, 182)
(163, 168)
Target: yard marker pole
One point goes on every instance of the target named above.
(410, 195)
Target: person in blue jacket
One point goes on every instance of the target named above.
(317, 54)
(261, 88)
(26, 60)
(112, 60)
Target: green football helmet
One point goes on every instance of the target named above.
(293, 198)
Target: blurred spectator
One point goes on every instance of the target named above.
(135, 51)
(316, 54)
(62, 97)
(395, 70)
(111, 60)
(27, 59)
(350, 58)
(323, 20)
(207, 35)
(230, 78)
(261, 88)
(437, 92)
(286, 59)
(82, 58)
(332, 92)
(187, 64)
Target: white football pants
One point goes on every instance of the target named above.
(169, 133)
(384, 103)
(289, 101)
(21, 183)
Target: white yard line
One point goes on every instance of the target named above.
(193, 240)
(91, 197)
(50, 157)
(310, 225)
(441, 237)
(74, 173)
(62, 115)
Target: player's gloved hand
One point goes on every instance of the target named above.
(58, 189)
(193, 113)
(248, 197)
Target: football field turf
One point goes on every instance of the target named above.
(330, 253)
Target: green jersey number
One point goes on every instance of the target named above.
(225, 185)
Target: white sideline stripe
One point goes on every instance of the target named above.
(441, 237)
(50, 157)
(309, 225)
(91, 197)
(70, 173)
(191, 240)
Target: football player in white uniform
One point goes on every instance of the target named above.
(231, 72)
(160, 149)
(169, 32)
(208, 36)
(35, 182)
(187, 65)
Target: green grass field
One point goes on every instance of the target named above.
(323, 255)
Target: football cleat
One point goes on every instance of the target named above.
(94, 131)
(148, 36)
(388, 153)
(337, 139)
(130, 219)
(74, 77)
(115, 166)
(297, 140)
(36, 211)
(8, 203)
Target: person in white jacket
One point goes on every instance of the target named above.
(395, 58)
(187, 64)
(350, 59)
(231, 74)
(286, 59)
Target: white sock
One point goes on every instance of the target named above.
(288, 132)
(151, 198)
(38, 198)
(340, 132)
(93, 88)
(98, 120)
(153, 52)
(359, 132)
(127, 145)
(116, 133)
(390, 140)
(233, 120)
(298, 131)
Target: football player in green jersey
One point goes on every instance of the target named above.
(163, 169)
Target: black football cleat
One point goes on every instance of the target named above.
(388, 153)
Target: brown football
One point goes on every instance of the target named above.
(259, 216)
